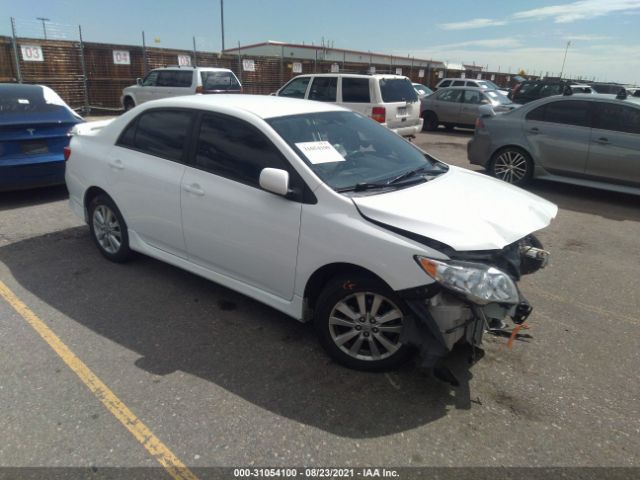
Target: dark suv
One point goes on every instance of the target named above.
(531, 90)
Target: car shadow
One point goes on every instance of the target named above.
(34, 196)
(177, 321)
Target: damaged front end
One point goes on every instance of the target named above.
(473, 291)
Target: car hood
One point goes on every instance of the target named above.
(462, 209)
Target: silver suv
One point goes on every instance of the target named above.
(467, 82)
(176, 81)
(390, 100)
(584, 139)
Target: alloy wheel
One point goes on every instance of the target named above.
(107, 229)
(511, 166)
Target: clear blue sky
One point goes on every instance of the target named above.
(604, 34)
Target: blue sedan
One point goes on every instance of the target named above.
(35, 126)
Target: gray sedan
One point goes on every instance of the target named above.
(460, 106)
(591, 140)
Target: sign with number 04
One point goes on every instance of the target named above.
(121, 57)
(32, 53)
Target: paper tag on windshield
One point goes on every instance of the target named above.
(320, 152)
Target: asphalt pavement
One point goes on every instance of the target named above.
(222, 380)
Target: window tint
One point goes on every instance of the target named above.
(618, 118)
(458, 83)
(537, 114)
(128, 136)
(397, 90)
(212, 81)
(472, 96)
(184, 79)
(324, 89)
(355, 90)
(553, 89)
(568, 112)
(445, 83)
(472, 84)
(234, 149)
(167, 78)
(450, 96)
(296, 88)
(161, 133)
(151, 79)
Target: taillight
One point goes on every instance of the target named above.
(67, 153)
(479, 123)
(199, 89)
(241, 89)
(379, 114)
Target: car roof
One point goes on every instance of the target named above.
(355, 75)
(263, 106)
(590, 97)
(479, 89)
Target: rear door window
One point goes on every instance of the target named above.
(167, 78)
(184, 79)
(445, 83)
(568, 112)
(450, 96)
(617, 118)
(458, 83)
(296, 88)
(324, 89)
(161, 133)
(355, 90)
(397, 90)
(472, 96)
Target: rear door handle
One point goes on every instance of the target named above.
(602, 141)
(534, 130)
(116, 164)
(194, 188)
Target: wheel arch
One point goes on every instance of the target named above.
(512, 145)
(90, 194)
(319, 278)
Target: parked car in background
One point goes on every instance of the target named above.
(591, 140)
(176, 81)
(316, 211)
(389, 99)
(422, 90)
(466, 82)
(459, 106)
(35, 126)
(530, 90)
(610, 88)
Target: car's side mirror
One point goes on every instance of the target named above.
(139, 82)
(275, 181)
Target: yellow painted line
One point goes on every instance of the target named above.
(139, 430)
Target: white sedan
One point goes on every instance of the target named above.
(316, 211)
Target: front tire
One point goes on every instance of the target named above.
(128, 104)
(513, 165)
(358, 321)
(108, 229)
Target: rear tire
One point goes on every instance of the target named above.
(108, 229)
(431, 121)
(512, 165)
(358, 320)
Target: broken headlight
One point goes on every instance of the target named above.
(479, 283)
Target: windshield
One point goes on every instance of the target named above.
(346, 149)
(498, 98)
(422, 89)
(397, 90)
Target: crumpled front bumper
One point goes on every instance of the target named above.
(441, 319)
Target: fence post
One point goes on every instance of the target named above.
(195, 53)
(144, 55)
(85, 86)
(15, 49)
(239, 63)
(315, 62)
(281, 64)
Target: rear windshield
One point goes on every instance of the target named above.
(219, 81)
(498, 98)
(397, 90)
(21, 99)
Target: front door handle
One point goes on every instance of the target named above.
(116, 164)
(194, 188)
(534, 131)
(602, 141)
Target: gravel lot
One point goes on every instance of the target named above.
(225, 381)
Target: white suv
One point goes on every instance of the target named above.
(176, 81)
(389, 99)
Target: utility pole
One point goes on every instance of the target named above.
(44, 26)
(222, 21)
(565, 58)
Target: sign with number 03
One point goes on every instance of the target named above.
(32, 53)
(121, 57)
(184, 60)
